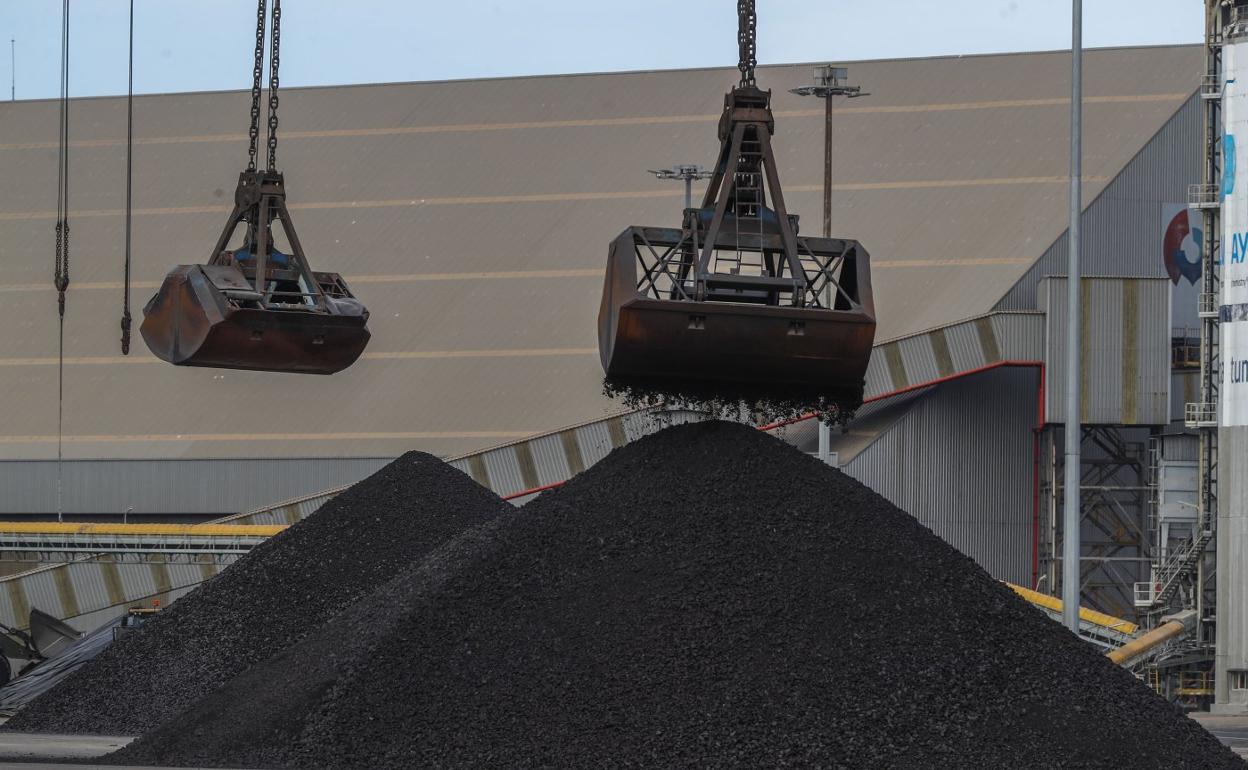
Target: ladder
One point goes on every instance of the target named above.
(749, 200)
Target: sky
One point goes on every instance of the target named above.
(197, 45)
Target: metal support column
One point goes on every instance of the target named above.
(1070, 539)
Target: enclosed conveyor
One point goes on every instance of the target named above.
(737, 295)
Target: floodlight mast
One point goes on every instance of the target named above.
(686, 171)
(830, 82)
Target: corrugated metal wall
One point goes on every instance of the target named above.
(1125, 376)
(1122, 228)
(211, 487)
(1232, 578)
(961, 461)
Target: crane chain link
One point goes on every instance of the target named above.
(747, 40)
(274, 63)
(61, 276)
(257, 79)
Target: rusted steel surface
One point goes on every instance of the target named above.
(641, 336)
(191, 322)
(248, 309)
(736, 296)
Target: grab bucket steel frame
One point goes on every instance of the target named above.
(674, 307)
(226, 315)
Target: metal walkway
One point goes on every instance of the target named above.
(51, 540)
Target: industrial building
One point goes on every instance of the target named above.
(473, 218)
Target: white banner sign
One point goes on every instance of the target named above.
(1234, 306)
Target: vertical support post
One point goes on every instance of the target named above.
(827, 166)
(825, 443)
(1071, 546)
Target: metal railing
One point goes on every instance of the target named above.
(1195, 683)
(1238, 22)
(1208, 305)
(1146, 593)
(1201, 415)
(1204, 196)
(1211, 87)
(1166, 576)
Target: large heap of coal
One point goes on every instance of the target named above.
(706, 596)
(268, 600)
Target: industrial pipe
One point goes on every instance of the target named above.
(1174, 627)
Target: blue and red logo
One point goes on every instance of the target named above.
(1182, 239)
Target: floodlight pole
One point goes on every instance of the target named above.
(688, 172)
(12, 69)
(1071, 545)
(830, 82)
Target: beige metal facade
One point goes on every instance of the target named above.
(473, 219)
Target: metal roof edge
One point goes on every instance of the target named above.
(951, 324)
(601, 73)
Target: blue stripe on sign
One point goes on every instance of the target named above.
(1228, 165)
(1233, 313)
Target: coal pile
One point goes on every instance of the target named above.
(268, 600)
(757, 403)
(706, 596)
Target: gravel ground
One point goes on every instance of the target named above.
(706, 596)
(268, 600)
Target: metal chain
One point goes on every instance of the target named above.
(274, 62)
(61, 270)
(257, 79)
(62, 253)
(126, 319)
(747, 40)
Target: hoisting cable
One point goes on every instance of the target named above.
(274, 62)
(61, 274)
(257, 79)
(747, 41)
(125, 302)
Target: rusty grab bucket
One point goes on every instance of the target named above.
(653, 328)
(209, 315)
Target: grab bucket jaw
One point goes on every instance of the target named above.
(208, 315)
(652, 327)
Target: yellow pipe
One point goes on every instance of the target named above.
(1158, 635)
(1085, 614)
(170, 530)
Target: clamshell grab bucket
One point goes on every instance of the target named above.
(208, 315)
(744, 331)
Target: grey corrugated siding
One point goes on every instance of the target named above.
(960, 461)
(1232, 631)
(1184, 390)
(1126, 350)
(1122, 228)
(1181, 447)
(172, 486)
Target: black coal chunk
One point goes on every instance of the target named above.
(268, 600)
(706, 596)
(758, 403)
